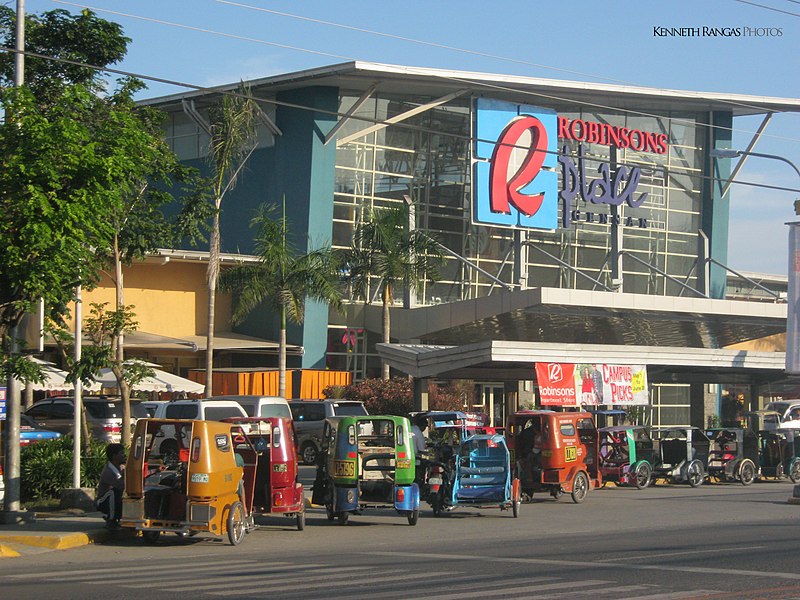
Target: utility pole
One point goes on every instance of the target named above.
(11, 473)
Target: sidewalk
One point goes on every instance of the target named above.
(57, 530)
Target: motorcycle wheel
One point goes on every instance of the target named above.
(413, 516)
(235, 524)
(301, 521)
(580, 488)
(794, 471)
(747, 472)
(642, 475)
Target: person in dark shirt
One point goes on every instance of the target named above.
(112, 485)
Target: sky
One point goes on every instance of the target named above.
(211, 42)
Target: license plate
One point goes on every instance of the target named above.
(435, 481)
(404, 463)
(199, 477)
(344, 468)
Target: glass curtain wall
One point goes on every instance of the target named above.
(427, 158)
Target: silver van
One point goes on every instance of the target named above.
(309, 419)
(261, 406)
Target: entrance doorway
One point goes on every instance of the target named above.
(493, 403)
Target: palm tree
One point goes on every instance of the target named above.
(283, 278)
(233, 139)
(386, 248)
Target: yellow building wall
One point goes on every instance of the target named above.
(169, 299)
(771, 343)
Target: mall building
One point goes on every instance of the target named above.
(581, 224)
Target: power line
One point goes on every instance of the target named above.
(444, 46)
(463, 137)
(778, 10)
(415, 40)
(558, 98)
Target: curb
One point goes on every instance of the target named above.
(6, 552)
(53, 542)
(793, 500)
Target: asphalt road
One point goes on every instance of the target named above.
(717, 541)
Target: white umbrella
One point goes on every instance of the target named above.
(55, 379)
(161, 381)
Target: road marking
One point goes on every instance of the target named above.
(101, 575)
(232, 579)
(596, 565)
(302, 587)
(606, 590)
(716, 550)
(675, 595)
(487, 581)
(72, 574)
(510, 592)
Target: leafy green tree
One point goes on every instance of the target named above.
(233, 140)
(141, 225)
(283, 278)
(86, 174)
(386, 253)
(83, 39)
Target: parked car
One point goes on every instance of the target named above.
(30, 432)
(309, 420)
(103, 416)
(261, 406)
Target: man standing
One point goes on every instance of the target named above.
(112, 485)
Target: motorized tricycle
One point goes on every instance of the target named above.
(733, 455)
(366, 461)
(446, 430)
(278, 491)
(207, 486)
(626, 455)
(555, 452)
(682, 455)
(481, 477)
(778, 447)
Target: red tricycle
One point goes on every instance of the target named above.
(277, 489)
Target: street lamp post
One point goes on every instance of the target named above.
(793, 291)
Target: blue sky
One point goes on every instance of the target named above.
(582, 40)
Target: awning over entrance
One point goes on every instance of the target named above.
(504, 360)
(580, 316)
(230, 341)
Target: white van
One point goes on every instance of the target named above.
(202, 409)
(207, 409)
(788, 414)
(260, 406)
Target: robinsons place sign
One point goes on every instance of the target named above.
(517, 157)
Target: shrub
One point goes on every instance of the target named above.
(334, 392)
(46, 468)
(453, 395)
(383, 396)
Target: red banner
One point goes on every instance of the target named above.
(556, 384)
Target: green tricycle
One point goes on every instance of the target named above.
(366, 461)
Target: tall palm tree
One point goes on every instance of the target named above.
(283, 278)
(386, 248)
(233, 139)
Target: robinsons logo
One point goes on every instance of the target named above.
(516, 176)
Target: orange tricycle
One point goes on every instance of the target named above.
(555, 452)
(205, 487)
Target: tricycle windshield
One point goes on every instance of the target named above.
(381, 432)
